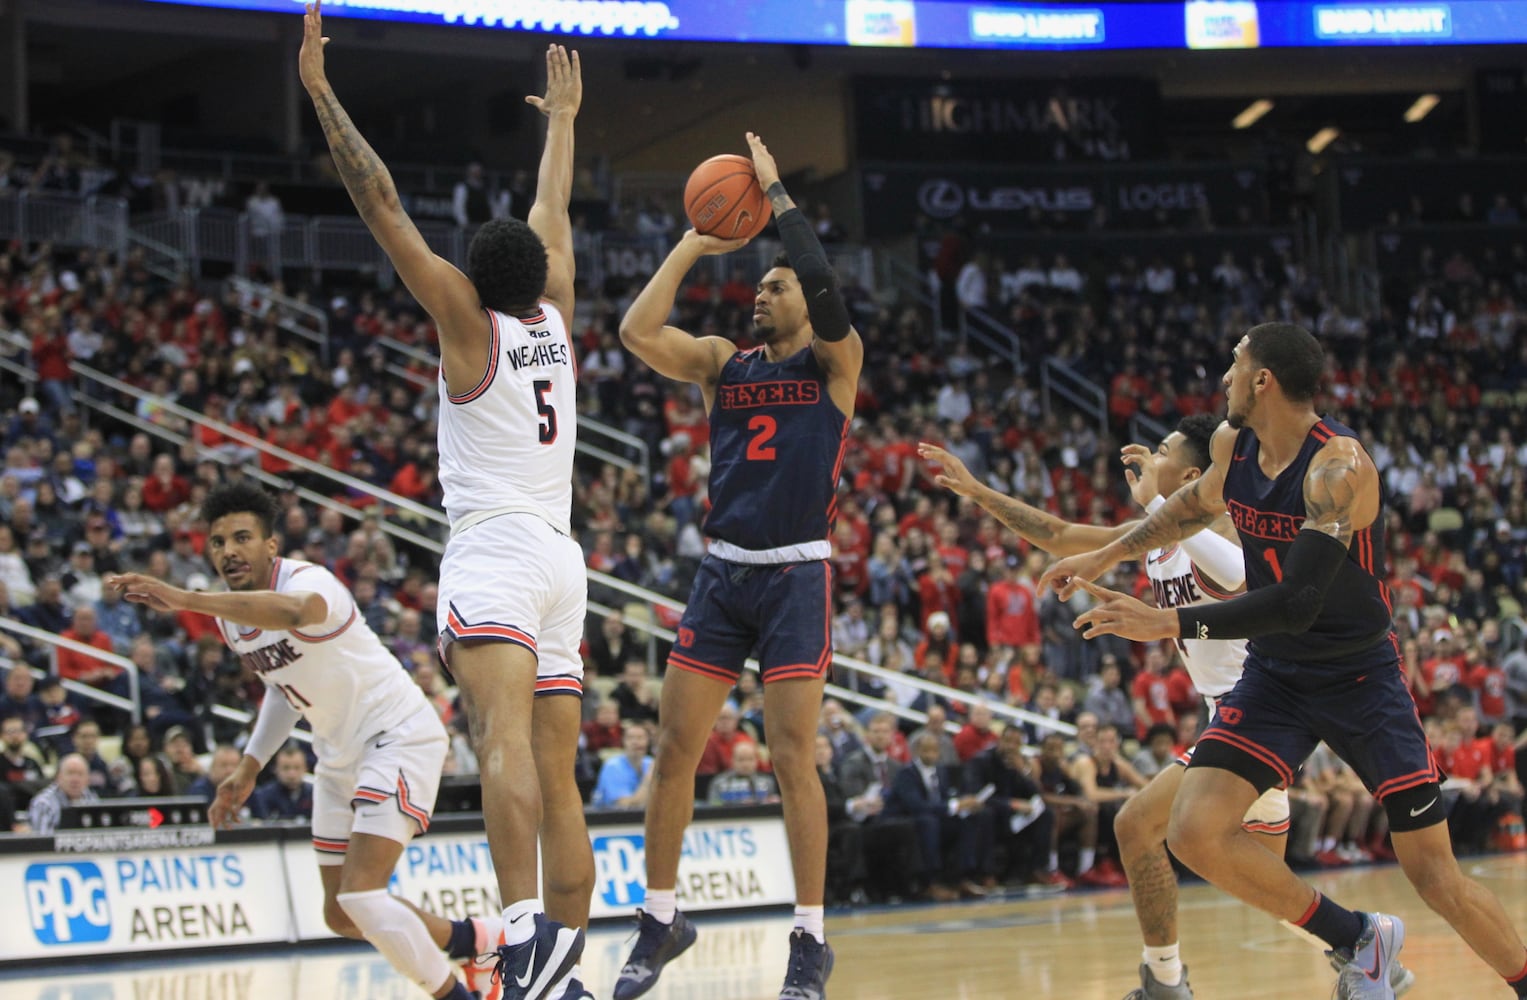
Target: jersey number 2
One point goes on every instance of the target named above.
(764, 428)
(547, 430)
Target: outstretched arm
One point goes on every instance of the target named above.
(1039, 528)
(263, 609)
(1191, 509)
(441, 289)
(836, 344)
(668, 350)
(1340, 498)
(554, 185)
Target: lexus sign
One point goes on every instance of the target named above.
(942, 198)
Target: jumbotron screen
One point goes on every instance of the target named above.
(963, 24)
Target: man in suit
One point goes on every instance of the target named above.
(865, 777)
(1018, 815)
(845, 838)
(928, 794)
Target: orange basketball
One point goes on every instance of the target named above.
(722, 198)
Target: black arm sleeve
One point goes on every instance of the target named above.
(824, 303)
(1286, 608)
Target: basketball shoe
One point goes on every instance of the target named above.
(1153, 989)
(1365, 971)
(810, 965)
(478, 971)
(1401, 979)
(657, 944)
(528, 971)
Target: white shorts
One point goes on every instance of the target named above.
(514, 578)
(388, 792)
(1268, 814)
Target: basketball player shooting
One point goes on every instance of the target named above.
(779, 422)
(512, 585)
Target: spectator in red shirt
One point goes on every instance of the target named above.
(1488, 682)
(1446, 667)
(977, 733)
(1499, 749)
(79, 666)
(937, 590)
(725, 735)
(1152, 693)
(193, 623)
(938, 643)
(1012, 613)
(50, 359)
(165, 489)
(604, 730)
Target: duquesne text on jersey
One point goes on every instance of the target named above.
(537, 355)
(1271, 525)
(272, 657)
(1177, 592)
(746, 395)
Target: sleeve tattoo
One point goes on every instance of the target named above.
(1023, 519)
(364, 174)
(1330, 493)
(1183, 514)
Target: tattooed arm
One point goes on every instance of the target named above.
(1341, 491)
(1186, 512)
(1039, 528)
(440, 288)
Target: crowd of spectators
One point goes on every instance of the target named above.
(927, 585)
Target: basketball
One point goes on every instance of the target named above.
(722, 198)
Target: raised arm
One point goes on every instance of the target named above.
(835, 342)
(1191, 509)
(667, 350)
(1039, 528)
(262, 609)
(441, 289)
(554, 185)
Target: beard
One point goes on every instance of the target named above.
(1243, 418)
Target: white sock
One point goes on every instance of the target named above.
(519, 921)
(809, 919)
(1085, 858)
(1327, 844)
(662, 905)
(1054, 862)
(1164, 964)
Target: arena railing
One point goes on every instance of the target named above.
(973, 323)
(67, 221)
(133, 704)
(251, 295)
(652, 599)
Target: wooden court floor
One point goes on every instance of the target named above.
(1071, 947)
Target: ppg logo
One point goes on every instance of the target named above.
(67, 903)
(619, 866)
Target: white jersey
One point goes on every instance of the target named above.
(1213, 664)
(507, 444)
(336, 673)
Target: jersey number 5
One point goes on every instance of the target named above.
(763, 428)
(548, 429)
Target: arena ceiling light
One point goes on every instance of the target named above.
(1320, 140)
(1422, 107)
(1253, 113)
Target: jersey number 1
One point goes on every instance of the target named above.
(547, 430)
(763, 428)
(1270, 554)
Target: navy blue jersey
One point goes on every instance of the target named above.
(1268, 514)
(776, 448)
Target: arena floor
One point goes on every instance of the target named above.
(1076, 947)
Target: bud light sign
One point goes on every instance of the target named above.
(67, 903)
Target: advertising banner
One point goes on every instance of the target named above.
(1100, 119)
(142, 900)
(727, 864)
(1007, 200)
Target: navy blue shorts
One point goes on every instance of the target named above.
(785, 612)
(1361, 707)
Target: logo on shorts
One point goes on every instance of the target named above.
(67, 903)
(686, 637)
(1232, 716)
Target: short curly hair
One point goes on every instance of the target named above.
(1198, 432)
(241, 498)
(507, 265)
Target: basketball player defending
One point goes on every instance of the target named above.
(380, 745)
(1204, 569)
(512, 584)
(1323, 663)
(779, 420)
